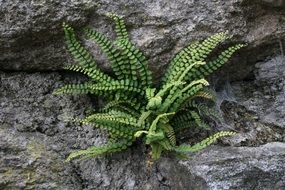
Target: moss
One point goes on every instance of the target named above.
(36, 149)
(12, 175)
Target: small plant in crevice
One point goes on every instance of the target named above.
(135, 108)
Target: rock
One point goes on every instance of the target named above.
(275, 3)
(27, 103)
(215, 168)
(26, 162)
(253, 130)
(32, 156)
(255, 107)
(240, 167)
(270, 77)
(31, 34)
(32, 37)
(36, 134)
(265, 95)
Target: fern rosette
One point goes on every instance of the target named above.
(135, 108)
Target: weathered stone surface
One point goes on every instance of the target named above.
(36, 138)
(240, 167)
(217, 167)
(31, 34)
(32, 38)
(255, 107)
(275, 3)
(27, 162)
(27, 103)
(269, 100)
(35, 132)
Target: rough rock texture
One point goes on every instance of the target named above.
(36, 134)
(31, 35)
(268, 97)
(36, 137)
(240, 167)
(257, 106)
(27, 162)
(215, 168)
(274, 3)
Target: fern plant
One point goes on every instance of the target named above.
(135, 108)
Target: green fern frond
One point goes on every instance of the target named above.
(112, 118)
(117, 123)
(202, 82)
(113, 104)
(168, 87)
(120, 27)
(188, 69)
(175, 100)
(116, 86)
(165, 143)
(158, 131)
(118, 61)
(212, 66)
(98, 151)
(169, 131)
(186, 97)
(86, 71)
(135, 108)
(125, 106)
(194, 53)
(157, 119)
(182, 56)
(154, 103)
(208, 94)
(208, 45)
(204, 143)
(182, 119)
(176, 88)
(143, 117)
(204, 110)
(181, 125)
(187, 119)
(138, 62)
(83, 57)
(212, 113)
(74, 89)
(149, 92)
(198, 120)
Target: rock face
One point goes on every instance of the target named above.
(36, 137)
(31, 35)
(32, 39)
(240, 168)
(35, 134)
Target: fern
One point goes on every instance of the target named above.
(204, 143)
(83, 57)
(114, 55)
(135, 108)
